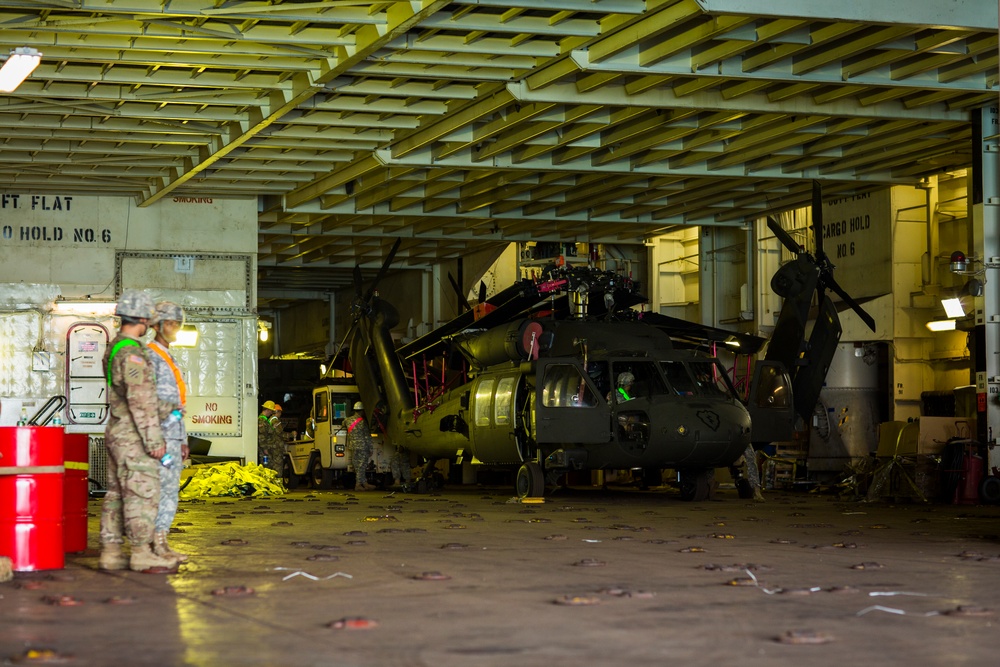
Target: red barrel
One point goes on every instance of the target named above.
(75, 492)
(967, 492)
(31, 497)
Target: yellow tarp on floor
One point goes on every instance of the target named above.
(230, 479)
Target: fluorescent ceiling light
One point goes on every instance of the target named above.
(953, 307)
(941, 325)
(94, 309)
(187, 336)
(22, 61)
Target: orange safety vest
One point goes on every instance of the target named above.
(181, 387)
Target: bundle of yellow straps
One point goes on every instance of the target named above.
(232, 479)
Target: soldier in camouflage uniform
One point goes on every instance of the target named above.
(399, 465)
(268, 441)
(359, 441)
(134, 444)
(171, 392)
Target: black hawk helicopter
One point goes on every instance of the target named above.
(563, 374)
(792, 359)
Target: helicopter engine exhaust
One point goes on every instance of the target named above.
(514, 342)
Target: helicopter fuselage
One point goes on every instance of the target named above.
(557, 399)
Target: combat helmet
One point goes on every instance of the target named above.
(135, 304)
(626, 379)
(167, 310)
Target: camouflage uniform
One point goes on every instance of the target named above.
(133, 430)
(174, 432)
(399, 465)
(269, 444)
(359, 441)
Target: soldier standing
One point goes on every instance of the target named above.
(359, 441)
(171, 392)
(134, 444)
(399, 465)
(268, 453)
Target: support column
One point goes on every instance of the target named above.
(332, 342)
(435, 295)
(708, 273)
(984, 204)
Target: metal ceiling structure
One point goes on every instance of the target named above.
(456, 124)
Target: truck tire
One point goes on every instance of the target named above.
(319, 477)
(288, 476)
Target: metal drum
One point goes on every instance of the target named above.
(75, 492)
(31, 497)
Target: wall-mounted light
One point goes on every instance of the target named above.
(263, 330)
(959, 262)
(83, 308)
(22, 61)
(941, 325)
(187, 336)
(953, 307)
(964, 265)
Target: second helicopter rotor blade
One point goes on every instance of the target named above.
(784, 237)
(357, 281)
(849, 300)
(382, 270)
(462, 301)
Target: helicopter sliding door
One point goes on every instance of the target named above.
(497, 400)
(771, 406)
(568, 408)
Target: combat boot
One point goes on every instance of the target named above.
(162, 548)
(144, 560)
(112, 557)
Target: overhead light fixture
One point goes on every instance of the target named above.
(953, 307)
(263, 330)
(941, 325)
(22, 61)
(187, 336)
(94, 309)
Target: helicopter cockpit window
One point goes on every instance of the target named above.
(678, 377)
(635, 379)
(598, 372)
(565, 387)
(320, 409)
(772, 389)
(484, 395)
(710, 378)
(501, 404)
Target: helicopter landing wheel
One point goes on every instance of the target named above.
(696, 483)
(530, 480)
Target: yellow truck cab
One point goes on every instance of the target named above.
(321, 458)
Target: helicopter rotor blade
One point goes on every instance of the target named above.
(357, 282)
(830, 283)
(382, 270)
(783, 236)
(462, 301)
